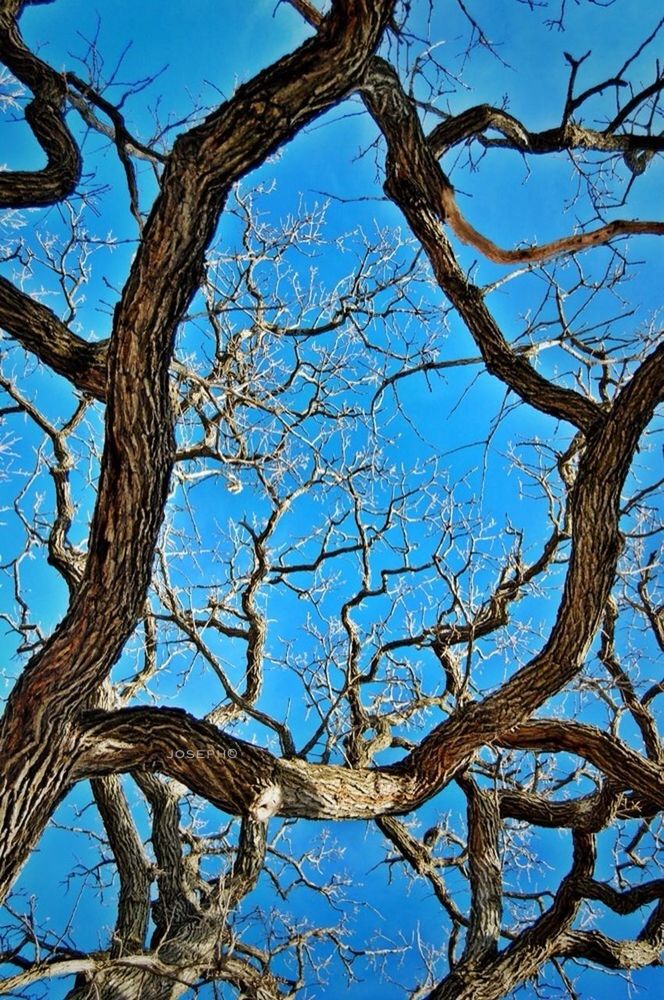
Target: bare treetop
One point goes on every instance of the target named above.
(328, 412)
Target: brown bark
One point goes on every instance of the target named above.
(473, 122)
(521, 959)
(609, 754)
(132, 863)
(54, 734)
(45, 116)
(418, 186)
(38, 730)
(40, 331)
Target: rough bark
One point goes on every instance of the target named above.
(521, 960)
(57, 730)
(45, 116)
(38, 729)
(38, 330)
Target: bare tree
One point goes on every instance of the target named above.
(274, 533)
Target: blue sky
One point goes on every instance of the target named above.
(204, 56)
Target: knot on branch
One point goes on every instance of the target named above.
(267, 803)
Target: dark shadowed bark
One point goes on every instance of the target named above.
(64, 722)
(139, 448)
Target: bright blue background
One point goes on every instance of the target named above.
(207, 49)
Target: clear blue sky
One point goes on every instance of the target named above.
(205, 52)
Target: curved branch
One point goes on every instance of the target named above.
(45, 116)
(241, 778)
(590, 812)
(593, 946)
(535, 946)
(610, 755)
(623, 902)
(139, 443)
(543, 251)
(135, 973)
(416, 183)
(596, 545)
(473, 122)
(234, 775)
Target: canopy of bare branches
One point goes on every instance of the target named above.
(333, 506)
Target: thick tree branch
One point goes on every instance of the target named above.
(139, 447)
(536, 945)
(486, 883)
(40, 331)
(474, 122)
(45, 116)
(622, 902)
(134, 869)
(590, 812)
(594, 946)
(416, 183)
(240, 778)
(610, 755)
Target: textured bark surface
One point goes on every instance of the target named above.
(45, 116)
(62, 722)
(40, 331)
(139, 447)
